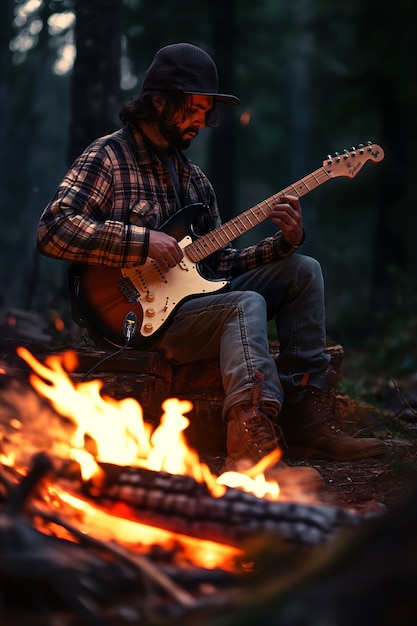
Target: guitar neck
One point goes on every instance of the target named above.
(205, 245)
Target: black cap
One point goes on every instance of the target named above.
(186, 68)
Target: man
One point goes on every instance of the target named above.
(108, 210)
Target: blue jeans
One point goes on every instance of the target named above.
(233, 327)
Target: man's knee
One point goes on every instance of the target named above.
(307, 268)
(252, 301)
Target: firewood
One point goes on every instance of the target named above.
(182, 505)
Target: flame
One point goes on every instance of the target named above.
(258, 485)
(8, 459)
(123, 438)
(201, 552)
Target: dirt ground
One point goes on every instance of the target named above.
(366, 485)
(369, 485)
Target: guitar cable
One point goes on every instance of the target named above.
(129, 329)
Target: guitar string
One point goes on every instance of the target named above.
(214, 238)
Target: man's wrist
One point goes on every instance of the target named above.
(288, 247)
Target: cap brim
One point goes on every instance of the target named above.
(220, 97)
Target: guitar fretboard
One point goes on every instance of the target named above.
(202, 247)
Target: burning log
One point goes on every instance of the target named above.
(40, 569)
(43, 569)
(182, 505)
(301, 583)
(86, 568)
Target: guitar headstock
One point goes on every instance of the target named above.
(349, 162)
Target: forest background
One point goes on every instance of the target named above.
(314, 77)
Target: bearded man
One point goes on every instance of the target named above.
(109, 213)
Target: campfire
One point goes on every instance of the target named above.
(99, 475)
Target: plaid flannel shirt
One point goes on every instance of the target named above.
(115, 192)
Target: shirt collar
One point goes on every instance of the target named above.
(145, 151)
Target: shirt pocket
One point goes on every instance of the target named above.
(145, 213)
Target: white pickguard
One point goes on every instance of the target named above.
(160, 292)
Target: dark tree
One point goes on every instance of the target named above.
(222, 155)
(96, 75)
(386, 72)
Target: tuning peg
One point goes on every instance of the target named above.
(361, 150)
(369, 144)
(345, 154)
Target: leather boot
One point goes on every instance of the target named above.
(312, 432)
(251, 436)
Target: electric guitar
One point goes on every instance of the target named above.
(106, 295)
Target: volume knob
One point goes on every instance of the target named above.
(150, 297)
(148, 328)
(150, 312)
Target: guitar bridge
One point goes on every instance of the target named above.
(129, 290)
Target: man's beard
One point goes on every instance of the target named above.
(174, 136)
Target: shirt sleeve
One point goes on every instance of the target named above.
(78, 224)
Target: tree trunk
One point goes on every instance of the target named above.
(96, 73)
(299, 86)
(222, 154)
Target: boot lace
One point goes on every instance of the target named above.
(260, 432)
(323, 403)
(258, 428)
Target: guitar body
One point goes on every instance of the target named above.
(105, 295)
